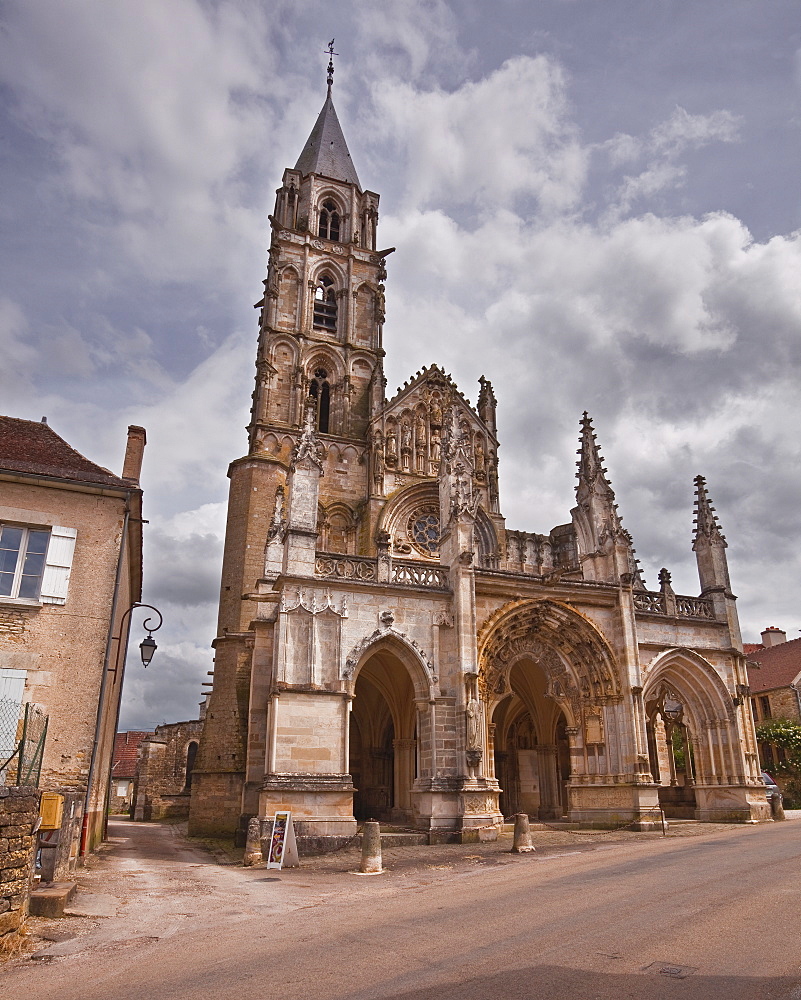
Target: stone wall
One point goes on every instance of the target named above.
(163, 783)
(783, 704)
(59, 848)
(19, 808)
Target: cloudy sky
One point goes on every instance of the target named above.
(595, 205)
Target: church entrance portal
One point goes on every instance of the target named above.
(670, 753)
(383, 743)
(532, 759)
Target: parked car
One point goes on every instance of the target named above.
(772, 790)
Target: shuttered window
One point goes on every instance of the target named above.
(35, 563)
(56, 576)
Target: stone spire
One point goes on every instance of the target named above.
(706, 520)
(487, 403)
(709, 543)
(605, 547)
(326, 151)
(593, 492)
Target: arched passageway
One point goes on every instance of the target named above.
(532, 755)
(670, 752)
(383, 740)
(703, 760)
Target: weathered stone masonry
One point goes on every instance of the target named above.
(386, 648)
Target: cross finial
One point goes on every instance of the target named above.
(331, 54)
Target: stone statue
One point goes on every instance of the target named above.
(392, 445)
(479, 459)
(473, 716)
(436, 446)
(378, 460)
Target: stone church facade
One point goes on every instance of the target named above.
(387, 648)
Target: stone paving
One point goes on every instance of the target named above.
(442, 856)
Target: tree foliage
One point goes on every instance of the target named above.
(786, 735)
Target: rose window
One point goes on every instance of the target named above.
(424, 531)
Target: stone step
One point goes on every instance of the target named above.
(51, 900)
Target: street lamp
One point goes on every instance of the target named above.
(147, 647)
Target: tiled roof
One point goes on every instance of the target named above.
(35, 448)
(751, 647)
(779, 666)
(126, 753)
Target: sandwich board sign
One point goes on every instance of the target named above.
(283, 846)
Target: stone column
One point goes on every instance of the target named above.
(405, 751)
(547, 766)
(666, 766)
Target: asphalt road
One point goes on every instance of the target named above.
(708, 916)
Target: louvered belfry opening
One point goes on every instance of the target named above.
(325, 305)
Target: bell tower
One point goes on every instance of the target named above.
(323, 308)
(319, 382)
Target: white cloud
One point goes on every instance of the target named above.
(504, 136)
(684, 130)
(661, 149)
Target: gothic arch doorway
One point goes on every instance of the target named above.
(532, 755)
(383, 740)
(670, 751)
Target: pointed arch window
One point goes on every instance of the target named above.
(191, 754)
(329, 221)
(325, 305)
(320, 392)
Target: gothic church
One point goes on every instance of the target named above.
(387, 648)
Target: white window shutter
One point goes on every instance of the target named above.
(56, 576)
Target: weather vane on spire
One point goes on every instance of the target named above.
(331, 54)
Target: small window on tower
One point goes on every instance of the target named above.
(320, 392)
(325, 305)
(329, 221)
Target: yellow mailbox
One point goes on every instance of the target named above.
(51, 809)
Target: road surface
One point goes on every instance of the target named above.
(713, 916)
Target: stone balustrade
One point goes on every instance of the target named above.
(422, 576)
(657, 603)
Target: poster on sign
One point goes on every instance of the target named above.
(283, 846)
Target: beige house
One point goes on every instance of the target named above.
(386, 646)
(774, 675)
(70, 568)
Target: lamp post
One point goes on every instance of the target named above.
(147, 647)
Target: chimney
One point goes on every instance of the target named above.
(772, 636)
(134, 452)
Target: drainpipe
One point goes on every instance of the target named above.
(104, 680)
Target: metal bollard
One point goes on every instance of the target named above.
(522, 842)
(371, 849)
(253, 855)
